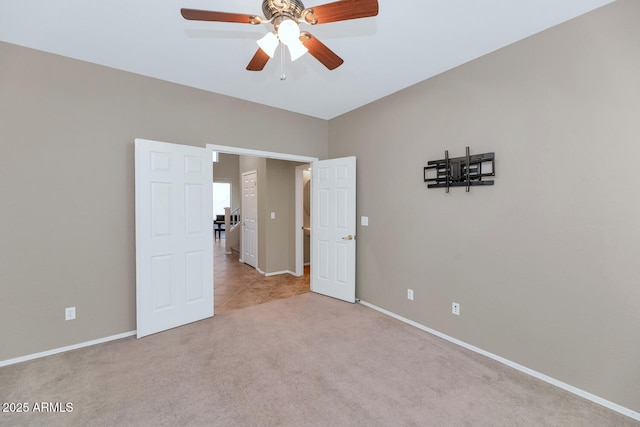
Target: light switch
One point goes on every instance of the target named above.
(273, 215)
(364, 221)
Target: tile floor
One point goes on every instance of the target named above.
(236, 285)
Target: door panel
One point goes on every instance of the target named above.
(161, 268)
(174, 236)
(193, 275)
(333, 228)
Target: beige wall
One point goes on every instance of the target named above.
(281, 199)
(546, 263)
(67, 185)
(276, 193)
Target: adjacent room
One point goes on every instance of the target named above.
(515, 303)
(275, 272)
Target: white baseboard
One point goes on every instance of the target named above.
(275, 273)
(592, 397)
(63, 349)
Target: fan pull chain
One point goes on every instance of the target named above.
(283, 76)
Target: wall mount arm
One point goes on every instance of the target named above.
(466, 171)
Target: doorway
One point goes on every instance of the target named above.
(275, 283)
(249, 239)
(332, 231)
(303, 217)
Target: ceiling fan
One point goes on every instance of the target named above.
(285, 16)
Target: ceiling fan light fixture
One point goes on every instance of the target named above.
(285, 15)
(269, 44)
(288, 32)
(297, 50)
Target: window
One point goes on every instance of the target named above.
(221, 197)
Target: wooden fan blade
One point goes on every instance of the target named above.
(321, 52)
(209, 15)
(258, 61)
(340, 11)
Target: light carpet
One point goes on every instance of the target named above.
(308, 360)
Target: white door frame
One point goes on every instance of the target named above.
(277, 156)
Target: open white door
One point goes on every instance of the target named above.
(333, 228)
(174, 235)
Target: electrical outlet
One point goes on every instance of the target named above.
(410, 294)
(455, 308)
(69, 313)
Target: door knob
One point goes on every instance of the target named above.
(349, 237)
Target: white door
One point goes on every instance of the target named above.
(174, 235)
(250, 218)
(333, 228)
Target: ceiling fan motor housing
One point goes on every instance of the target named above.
(283, 8)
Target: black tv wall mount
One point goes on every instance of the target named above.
(466, 171)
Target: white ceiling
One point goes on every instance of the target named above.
(409, 41)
